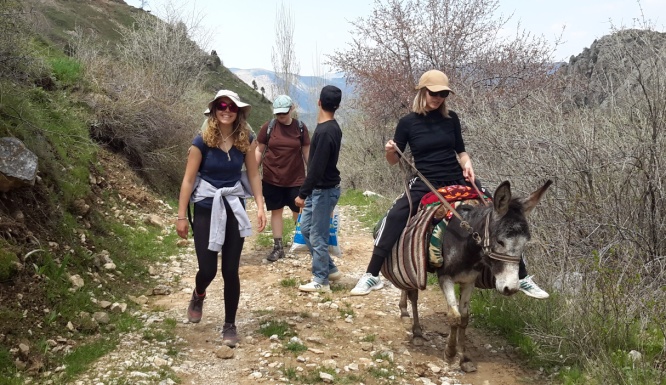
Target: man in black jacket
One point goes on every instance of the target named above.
(321, 190)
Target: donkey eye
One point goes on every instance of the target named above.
(501, 243)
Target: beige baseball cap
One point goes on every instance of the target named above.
(435, 81)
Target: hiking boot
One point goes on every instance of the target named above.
(195, 310)
(531, 289)
(229, 335)
(366, 284)
(314, 286)
(275, 255)
(333, 277)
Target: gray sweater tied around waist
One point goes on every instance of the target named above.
(218, 218)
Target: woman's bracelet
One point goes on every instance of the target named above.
(182, 219)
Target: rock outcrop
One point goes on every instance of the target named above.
(614, 65)
(18, 165)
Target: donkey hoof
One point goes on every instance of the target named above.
(418, 341)
(450, 353)
(468, 366)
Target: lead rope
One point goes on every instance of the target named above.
(485, 244)
(463, 223)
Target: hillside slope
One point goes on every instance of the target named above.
(57, 20)
(81, 239)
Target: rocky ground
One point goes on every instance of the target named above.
(349, 340)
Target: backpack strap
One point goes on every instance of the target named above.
(271, 125)
(300, 128)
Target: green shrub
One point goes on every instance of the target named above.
(279, 328)
(7, 368)
(372, 210)
(66, 70)
(295, 347)
(8, 263)
(289, 282)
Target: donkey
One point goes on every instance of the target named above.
(467, 261)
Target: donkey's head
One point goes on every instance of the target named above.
(507, 235)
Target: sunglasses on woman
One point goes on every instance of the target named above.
(224, 105)
(441, 94)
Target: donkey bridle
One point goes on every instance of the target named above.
(487, 250)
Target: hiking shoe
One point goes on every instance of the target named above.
(195, 310)
(531, 289)
(366, 284)
(229, 335)
(314, 286)
(335, 276)
(275, 255)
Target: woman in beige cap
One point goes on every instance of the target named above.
(212, 181)
(433, 134)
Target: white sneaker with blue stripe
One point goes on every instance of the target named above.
(531, 289)
(366, 284)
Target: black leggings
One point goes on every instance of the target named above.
(231, 252)
(396, 220)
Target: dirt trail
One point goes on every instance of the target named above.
(360, 339)
(350, 344)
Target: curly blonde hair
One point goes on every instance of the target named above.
(212, 135)
(419, 104)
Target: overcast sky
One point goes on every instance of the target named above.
(242, 31)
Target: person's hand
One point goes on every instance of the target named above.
(389, 147)
(300, 202)
(468, 171)
(261, 220)
(182, 227)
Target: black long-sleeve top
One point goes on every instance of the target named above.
(434, 141)
(323, 160)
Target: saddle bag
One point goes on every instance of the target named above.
(407, 265)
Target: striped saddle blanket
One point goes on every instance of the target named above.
(420, 245)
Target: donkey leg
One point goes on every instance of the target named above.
(403, 305)
(451, 342)
(466, 364)
(446, 284)
(417, 334)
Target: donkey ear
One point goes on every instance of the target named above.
(530, 202)
(502, 198)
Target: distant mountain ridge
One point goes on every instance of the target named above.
(304, 93)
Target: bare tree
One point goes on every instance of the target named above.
(16, 27)
(404, 38)
(283, 55)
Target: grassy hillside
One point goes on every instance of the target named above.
(106, 134)
(56, 20)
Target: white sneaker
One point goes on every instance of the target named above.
(531, 289)
(335, 276)
(314, 286)
(366, 284)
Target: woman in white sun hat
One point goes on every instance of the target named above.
(212, 181)
(433, 134)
